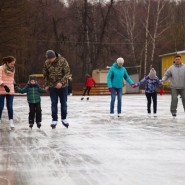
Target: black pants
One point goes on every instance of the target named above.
(88, 89)
(35, 109)
(150, 97)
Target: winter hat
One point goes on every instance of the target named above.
(33, 78)
(50, 54)
(152, 73)
(120, 60)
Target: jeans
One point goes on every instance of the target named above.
(150, 97)
(62, 95)
(174, 99)
(88, 89)
(9, 104)
(35, 109)
(115, 91)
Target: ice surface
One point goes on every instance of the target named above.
(95, 150)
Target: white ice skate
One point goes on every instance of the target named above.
(155, 115)
(65, 123)
(149, 115)
(12, 126)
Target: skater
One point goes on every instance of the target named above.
(151, 82)
(115, 83)
(176, 74)
(56, 74)
(33, 96)
(89, 83)
(7, 72)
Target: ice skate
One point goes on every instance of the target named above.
(149, 115)
(38, 125)
(174, 115)
(54, 124)
(65, 123)
(82, 98)
(87, 98)
(12, 126)
(31, 125)
(155, 115)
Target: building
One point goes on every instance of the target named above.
(168, 59)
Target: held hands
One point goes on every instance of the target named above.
(46, 88)
(133, 86)
(59, 85)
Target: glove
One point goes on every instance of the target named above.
(16, 86)
(110, 90)
(133, 86)
(6, 88)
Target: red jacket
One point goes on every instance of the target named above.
(90, 82)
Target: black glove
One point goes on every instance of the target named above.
(6, 88)
(16, 86)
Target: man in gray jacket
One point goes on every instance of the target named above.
(176, 74)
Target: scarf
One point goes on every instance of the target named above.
(9, 71)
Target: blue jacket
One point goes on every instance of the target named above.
(116, 75)
(150, 84)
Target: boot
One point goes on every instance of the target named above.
(38, 125)
(54, 124)
(65, 123)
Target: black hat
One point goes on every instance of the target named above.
(33, 78)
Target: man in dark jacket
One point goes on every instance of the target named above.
(56, 74)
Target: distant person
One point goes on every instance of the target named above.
(116, 75)
(176, 75)
(7, 72)
(151, 82)
(89, 84)
(56, 74)
(33, 96)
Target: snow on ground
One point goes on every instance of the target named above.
(95, 150)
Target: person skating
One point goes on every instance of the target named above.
(7, 72)
(176, 75)
(56, 74)
(151, 82)
(33, 96)
(89, 84)
(115, 83)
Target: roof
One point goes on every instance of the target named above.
(174, 53)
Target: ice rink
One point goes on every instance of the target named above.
(95, 150)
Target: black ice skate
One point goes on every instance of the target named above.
(31, 125)
(82, 98)
(65, 123)
(87, 98)
(38, 125)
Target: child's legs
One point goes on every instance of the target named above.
(154, 98)
(1, 104)
(9, 104)
(85, 91)
(88, 91)
(31, 113)
(148, 96)
(38, 113)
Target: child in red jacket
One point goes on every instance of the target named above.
(89, 83)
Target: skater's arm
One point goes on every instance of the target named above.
(22, 90)
(66, 72)
(127, 78)
(41, 90)
(141, 82)
(46, 75)
(167, 75)
(109, 78)
(1, 75)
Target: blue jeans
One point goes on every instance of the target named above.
(62, 95)
(9, 104)
(115, 91)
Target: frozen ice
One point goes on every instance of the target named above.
(95, 150)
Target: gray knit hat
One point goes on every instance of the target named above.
(50, 54)
(152, 73)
